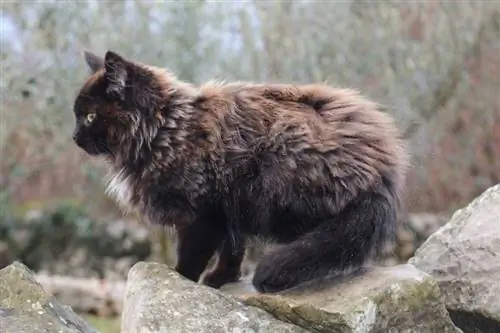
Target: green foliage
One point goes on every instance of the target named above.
(57, 234)
(4, 204)
(104, 324)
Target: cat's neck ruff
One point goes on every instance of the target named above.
(119, 187)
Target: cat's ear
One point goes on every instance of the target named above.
(94, 62)
(116, 74)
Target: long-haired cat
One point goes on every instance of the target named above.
(317, 169)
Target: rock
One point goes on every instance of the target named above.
(25, 307)
(413, 230)
(464, 257)
(86, 295)
(157, 299)
(398, 299)
(425, 224)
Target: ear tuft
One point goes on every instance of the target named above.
(113, 57)
(116, 74)
(93, 61)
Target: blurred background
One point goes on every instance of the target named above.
(434, 64)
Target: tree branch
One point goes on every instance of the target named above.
(443, 94)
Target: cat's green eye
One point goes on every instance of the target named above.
(90, 118)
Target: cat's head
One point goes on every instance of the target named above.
(118, 103)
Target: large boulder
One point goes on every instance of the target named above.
(399, 299)
(158, 299)
(25, 307)
(464, 257)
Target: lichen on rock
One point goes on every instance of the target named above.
(463, 257)
(399, 299)
(158, 299)
(386, 299)
(25, 307)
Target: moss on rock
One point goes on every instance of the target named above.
(399, 299)
(25, 307)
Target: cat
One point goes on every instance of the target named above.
(317, 169)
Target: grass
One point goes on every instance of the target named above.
(104, 324)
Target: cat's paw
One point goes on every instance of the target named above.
(218, 278)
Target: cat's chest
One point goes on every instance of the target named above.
(119, 187)
(165, 199)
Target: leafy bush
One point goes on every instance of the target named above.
(66, 236)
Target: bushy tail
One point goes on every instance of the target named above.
(336, 247)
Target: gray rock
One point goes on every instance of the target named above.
(158, 300)
(398, 299)
(425, 224)
(464, 257)
(25, 307)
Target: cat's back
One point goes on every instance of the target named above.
(310, 103)
(316, 118)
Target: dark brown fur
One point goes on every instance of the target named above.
(318, 169)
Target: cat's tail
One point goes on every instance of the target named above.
(337, 247)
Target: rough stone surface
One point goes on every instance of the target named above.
(399, 299)
(158, 300)
(464, 257)
(25, 307)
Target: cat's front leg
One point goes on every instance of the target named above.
(228, 266)
(197, 242)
